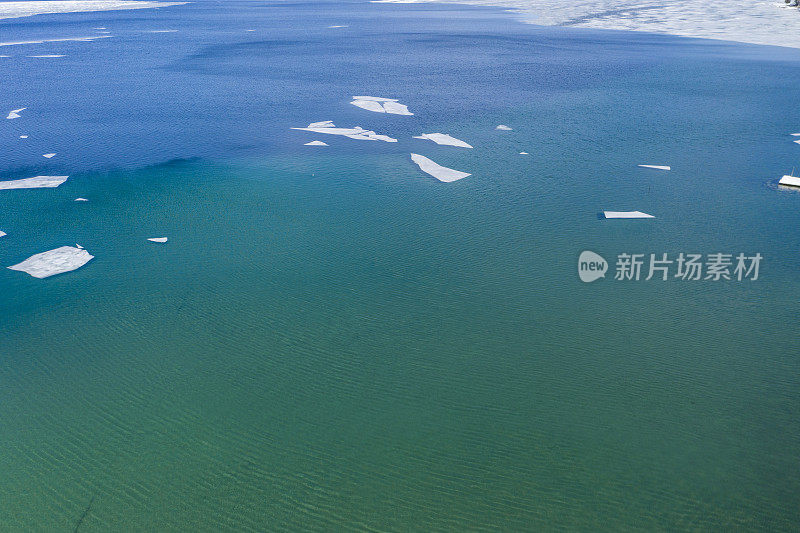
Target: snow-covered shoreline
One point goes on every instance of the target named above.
(46, 7)
(766, 22)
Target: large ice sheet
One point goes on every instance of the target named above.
(379, 104)
(436, 170)
(793, 181)
(15, 113)
(443, 138)
(50, 263)
(36, 182)
(626, 214)
(358, 132)
(27, 9)
(748, 21)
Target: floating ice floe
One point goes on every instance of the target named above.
(442, 138)
(43, 56)
(101, 28)
(793, 181)
(81, 200)
(158, 239)
(338, 26)
(3, 233)
(15, 113)
(316, 143)
(503, 127)
(381, 105)
(795, 134)
(798, 142)
(657, 167)
(358, 132)
(437, 171)
(626, 214)
(58, 261)
(161, 31)
(23, 136)
(524, 153)
(59, 40)
(49, 156)
(36, 182)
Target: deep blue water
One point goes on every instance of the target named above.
(333, 340)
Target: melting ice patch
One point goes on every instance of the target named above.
(503, 127)
(358, 132)
(36, 182)
(316, 143)
(58, 261)
(380, 105)
(443, 138)
(656, 167)
(49, 156)
(436, 170)
(158, 239)
(59, 40)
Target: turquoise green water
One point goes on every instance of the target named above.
(332, 340)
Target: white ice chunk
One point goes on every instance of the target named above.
(437, 171)
(381, 105)
(316, 143)
(49, 156)
(15, 113)
(503, 127)
(626, 214)
(158, 239)
(798, 142)
(161, 31)
(354, 133)
(657, 167)
(35, 182)
(3, 234)
(795, 134)
(81, 200)
(793, 181)
(443, 138)
(338, 26)
(58, 261)
(23, 136)
(524, 153)
(48, 55)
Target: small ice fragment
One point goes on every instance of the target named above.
(523, 153)
(798, 142)
(15, 113)
(50, 263)
(795, 134)
(35, 182)
(793, 181)
(158, 239)
(358, 132)
(48, 55)
(101, 28)
(161, 31)
(81, 200)
(437, 171)
(79, 247)
(23, 136)
(442, 138)
(3, 233)
(626, 214)
(338, 26)
(503, 127)
(49, 156)
(657, 167)
(316, 143)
